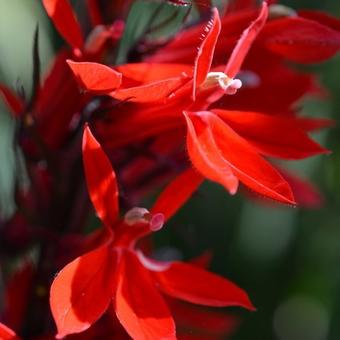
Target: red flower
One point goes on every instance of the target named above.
(117, 272)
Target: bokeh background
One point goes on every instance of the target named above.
(287, 259)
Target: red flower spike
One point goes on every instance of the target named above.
(13, 102)
(62, 15)
(82, 291)
(205, 53)
(202, 151)
(272, 135)
(243, 45)
(177, 193)
(101, 180)
(193, 284)
(301, 40)
(6, 333)
(95, 77)
(139, 307)
(224, 152)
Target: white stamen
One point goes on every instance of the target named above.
(136, 215)
(229, 85)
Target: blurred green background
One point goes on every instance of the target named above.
(287, 259)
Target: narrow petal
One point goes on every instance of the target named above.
(196, 285)
(6, 333)
(65, 21)
(272, 135)
(243, 45)
(139, 307)
(205, 52)
(101, 179)
(14, 103)
(82, 291)
(152, 92)
(175, 195)
(150, 72)
(201, 148)
(218, 141)
(301, 40)
(95, 77)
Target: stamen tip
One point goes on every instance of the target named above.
(157, 222)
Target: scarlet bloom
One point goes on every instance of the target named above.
(118, 272)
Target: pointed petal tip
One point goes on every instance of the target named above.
(95, 77)
(249, 305)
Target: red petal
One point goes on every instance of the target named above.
(192, 284)
(211, 164)
(272, 135)
(6, 333)
(13, 102)
(62, 15)
(101, 179)
(175, 195)
(243, 45)
(205, 53)
(139, 307)
(82, 291)
(223, 146)
(301, 40)
(152, 92)
(95, 77)
(150, 72)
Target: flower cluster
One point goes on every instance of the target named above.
(214, 102)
